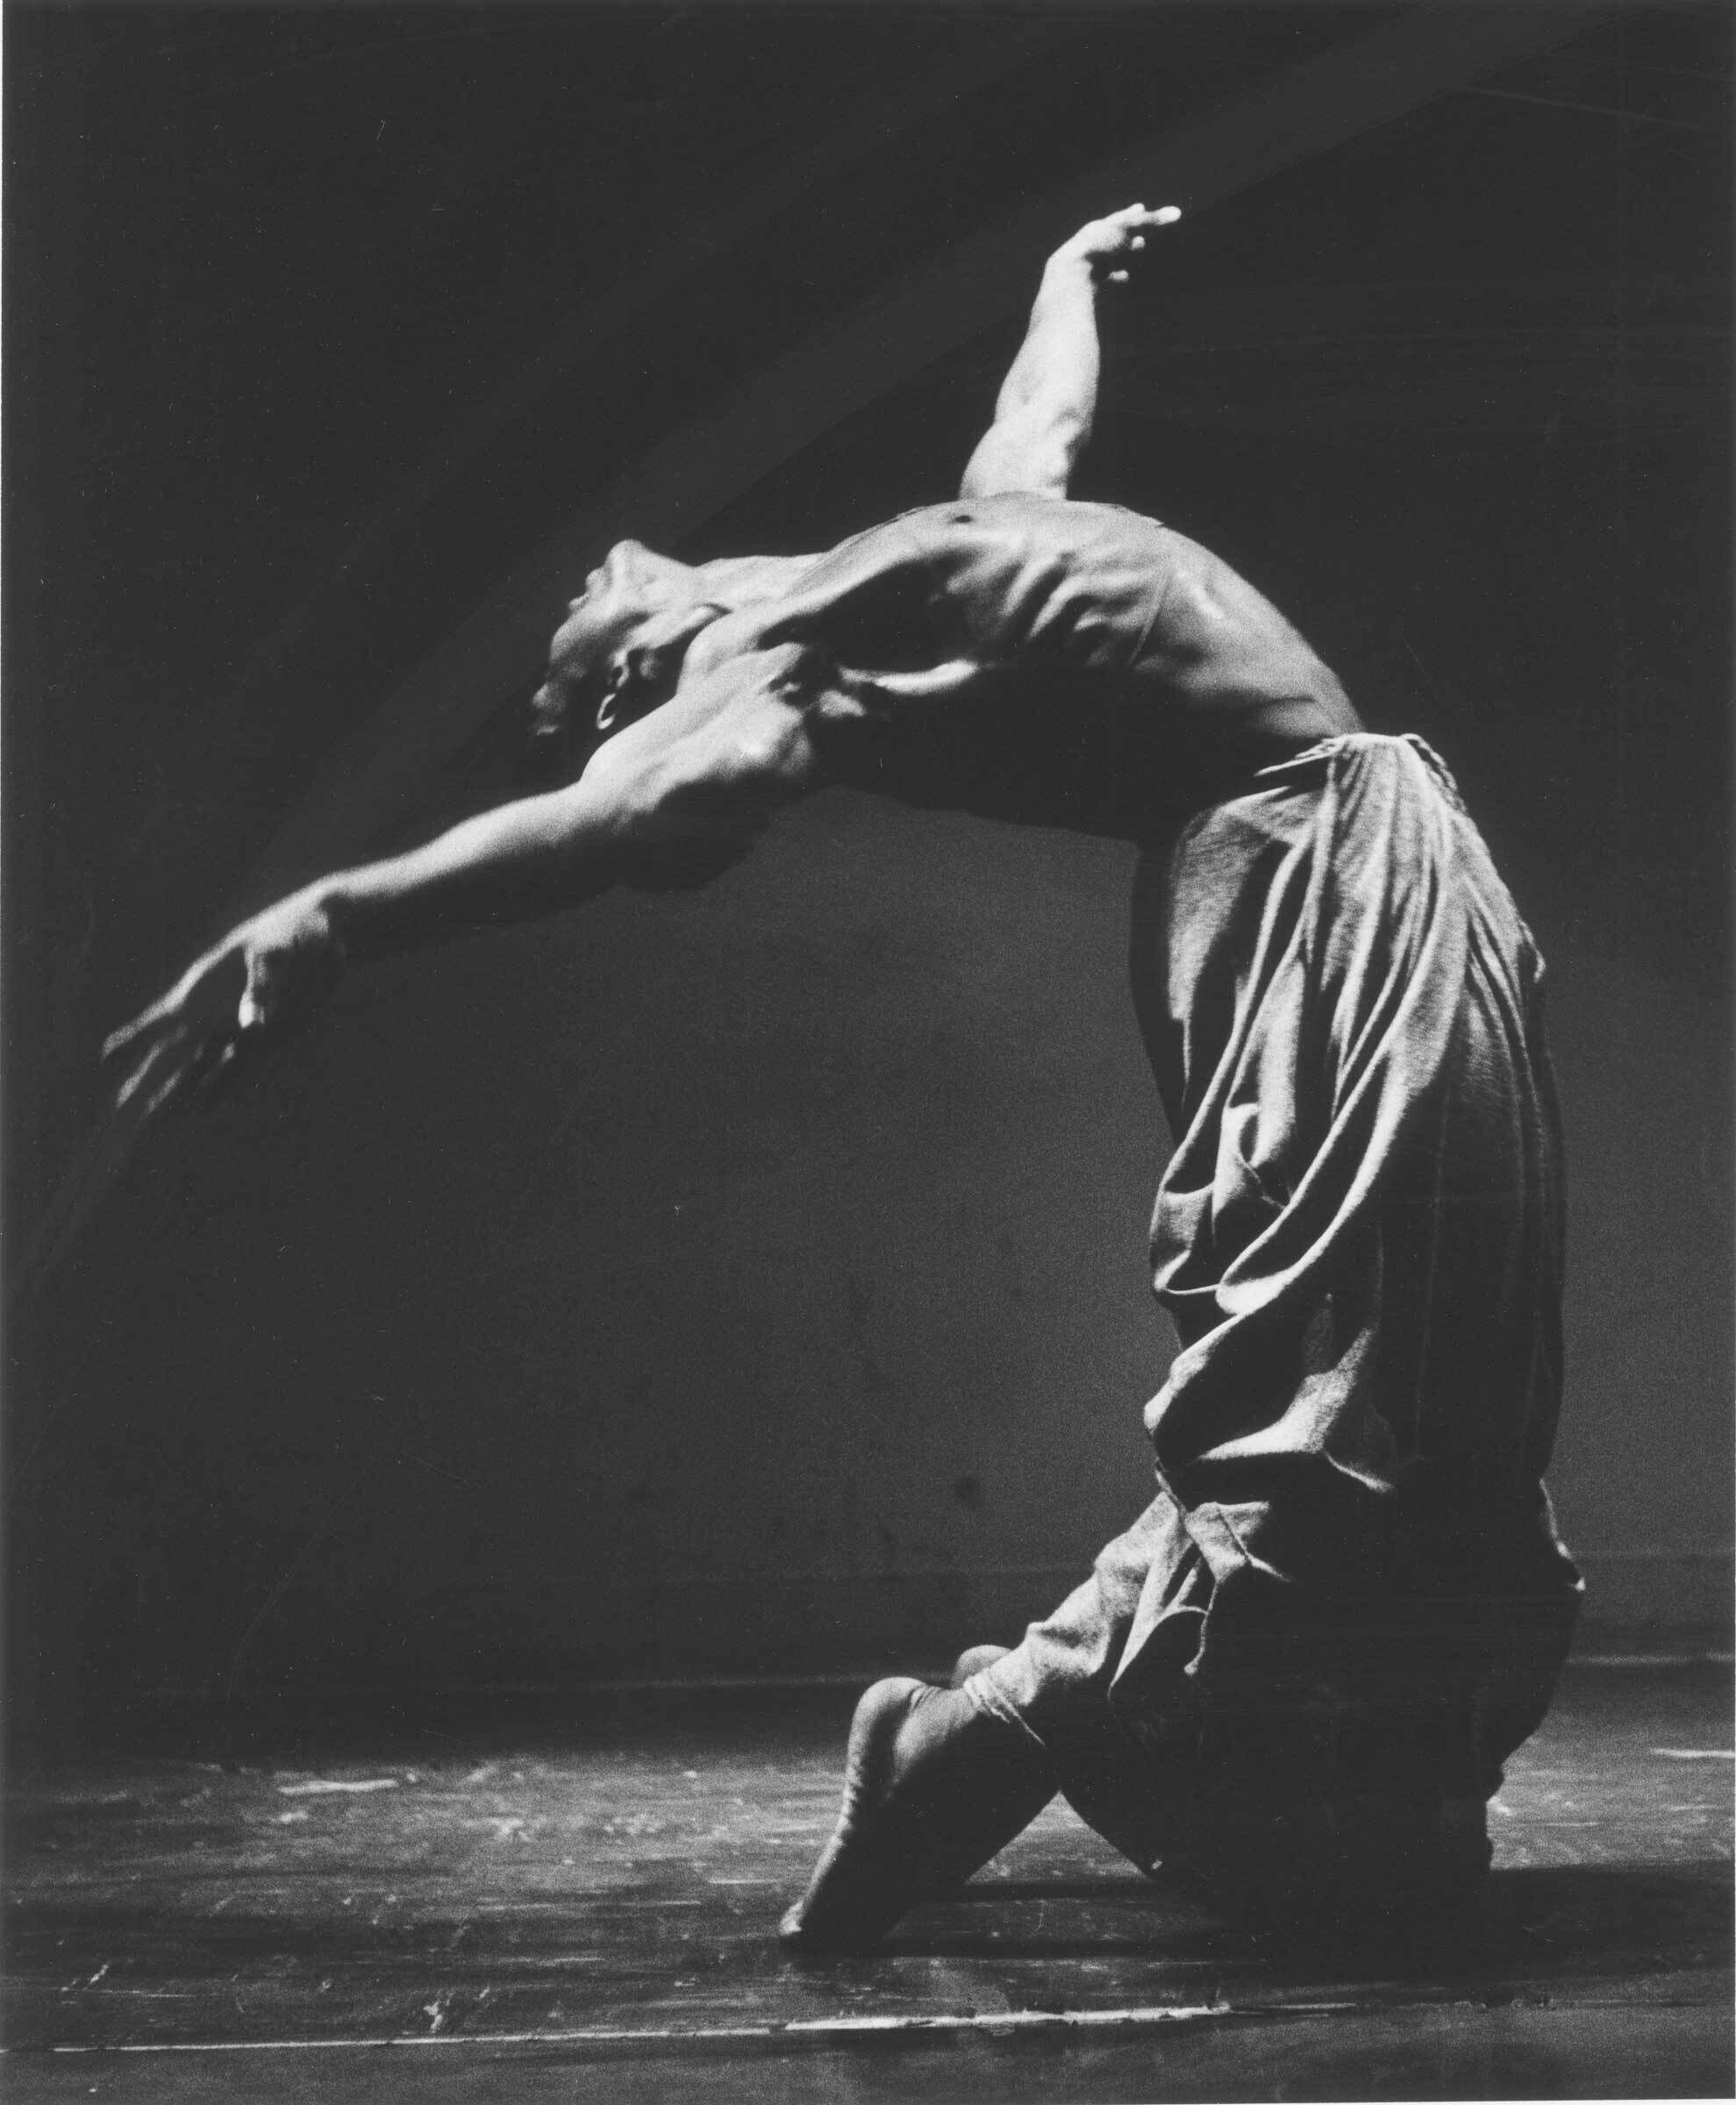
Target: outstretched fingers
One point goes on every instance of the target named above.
(1137, 220)
(1120, 235)
(152, 1079)
(193, 1065)
(169, 1044)
(152, 1019)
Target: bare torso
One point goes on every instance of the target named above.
(1038, 659)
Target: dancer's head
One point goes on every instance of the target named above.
(619, 651)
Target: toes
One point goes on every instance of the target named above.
(801, 1933)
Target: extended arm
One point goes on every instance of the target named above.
(1043, 414)
(668, 801)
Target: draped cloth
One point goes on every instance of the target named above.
(1348, 1593)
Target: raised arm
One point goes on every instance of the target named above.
(1043, 417)
(668, 801)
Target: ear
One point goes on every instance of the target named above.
(621, 678)
(651, 661)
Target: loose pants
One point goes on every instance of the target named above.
(1301, 1669)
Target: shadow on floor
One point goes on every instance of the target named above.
(1534, 1924)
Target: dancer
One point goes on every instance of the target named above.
(1297, 1676)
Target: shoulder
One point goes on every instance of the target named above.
(735, 634)
(733, 581)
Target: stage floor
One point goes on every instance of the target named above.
(525, 1909)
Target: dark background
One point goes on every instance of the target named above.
(754, 1280)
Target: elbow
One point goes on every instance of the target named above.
(1036, 459)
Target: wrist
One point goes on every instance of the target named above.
(1069, 269)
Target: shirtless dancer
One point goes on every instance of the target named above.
(1297, 1676)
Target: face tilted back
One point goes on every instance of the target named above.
(618, 652)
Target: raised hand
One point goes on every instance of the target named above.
(1108, 244)
(249, 990)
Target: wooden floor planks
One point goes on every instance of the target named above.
(583, 1907)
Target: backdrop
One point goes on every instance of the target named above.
(755, 1279)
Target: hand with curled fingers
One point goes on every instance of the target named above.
(246, 993)
(1107, 246)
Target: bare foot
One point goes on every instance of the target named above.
(933, 1788)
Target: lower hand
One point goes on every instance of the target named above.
(250, 990)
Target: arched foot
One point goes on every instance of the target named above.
(933, 1788)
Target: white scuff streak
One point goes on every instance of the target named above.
(1696, 1753)
(322, 1785)
(996, 2021)
(804, 2029)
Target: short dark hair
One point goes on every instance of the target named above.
(568, 719)
(565, 725)
(556, 712)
